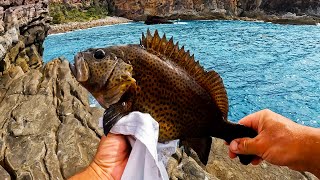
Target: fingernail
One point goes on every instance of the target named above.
(234, 146)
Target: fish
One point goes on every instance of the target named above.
(158, 77)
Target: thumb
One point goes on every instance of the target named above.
(244, 146)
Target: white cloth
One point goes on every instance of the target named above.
(148, 158)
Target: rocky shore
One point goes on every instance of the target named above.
(275, 11)
(61, 28)
(48, 129)
(46, 113)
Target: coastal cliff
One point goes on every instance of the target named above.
(48, 129)
(307, 11)
(269, 10)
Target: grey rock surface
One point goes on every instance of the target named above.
(220, 166)
(49, 131)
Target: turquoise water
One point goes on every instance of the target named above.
(263, 65)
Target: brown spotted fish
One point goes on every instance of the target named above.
(159, 78)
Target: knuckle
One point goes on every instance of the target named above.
(266, 111)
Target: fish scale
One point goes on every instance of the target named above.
(161, 79)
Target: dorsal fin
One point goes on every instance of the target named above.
(210, 81)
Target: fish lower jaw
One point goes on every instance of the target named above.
(112, 96)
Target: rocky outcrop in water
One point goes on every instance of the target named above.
(23, 27)
(157, 20)
(282, 11)
(305, 7)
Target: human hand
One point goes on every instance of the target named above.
(280, 141)
(110, 159)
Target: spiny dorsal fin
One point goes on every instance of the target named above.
(210, 81)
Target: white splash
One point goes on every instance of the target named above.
(180, 23)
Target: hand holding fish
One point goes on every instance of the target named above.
(110, 160)
(280, 141)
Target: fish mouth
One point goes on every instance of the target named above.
(79, 69)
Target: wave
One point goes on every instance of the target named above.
(207, 20)
(57, 34)
(180, 23)
(123, 23)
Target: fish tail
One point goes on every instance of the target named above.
(234, 131)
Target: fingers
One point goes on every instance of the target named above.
(256, 161)
(254, 120)
(232, 155)
(245, 146)
(251, 121)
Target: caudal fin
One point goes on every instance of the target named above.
(235, 131)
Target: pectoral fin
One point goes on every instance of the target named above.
(201, 146)
(113, 114)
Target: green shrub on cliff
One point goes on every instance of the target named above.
(64, 13)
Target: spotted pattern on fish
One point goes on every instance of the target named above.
(159, 78)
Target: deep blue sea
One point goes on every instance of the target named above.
(263, 65)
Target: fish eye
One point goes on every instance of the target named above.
(99, 54)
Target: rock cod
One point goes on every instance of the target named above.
(159, 78)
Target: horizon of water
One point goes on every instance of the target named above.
(263, 65)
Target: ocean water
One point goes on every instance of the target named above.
(263, 65)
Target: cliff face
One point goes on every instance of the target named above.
(47, 130)
(208, 9)
(202, 9)
(193, 9)
(308, 7)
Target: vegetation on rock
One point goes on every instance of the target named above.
(64, 13)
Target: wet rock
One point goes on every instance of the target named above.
(296, 21)
(157, 20)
